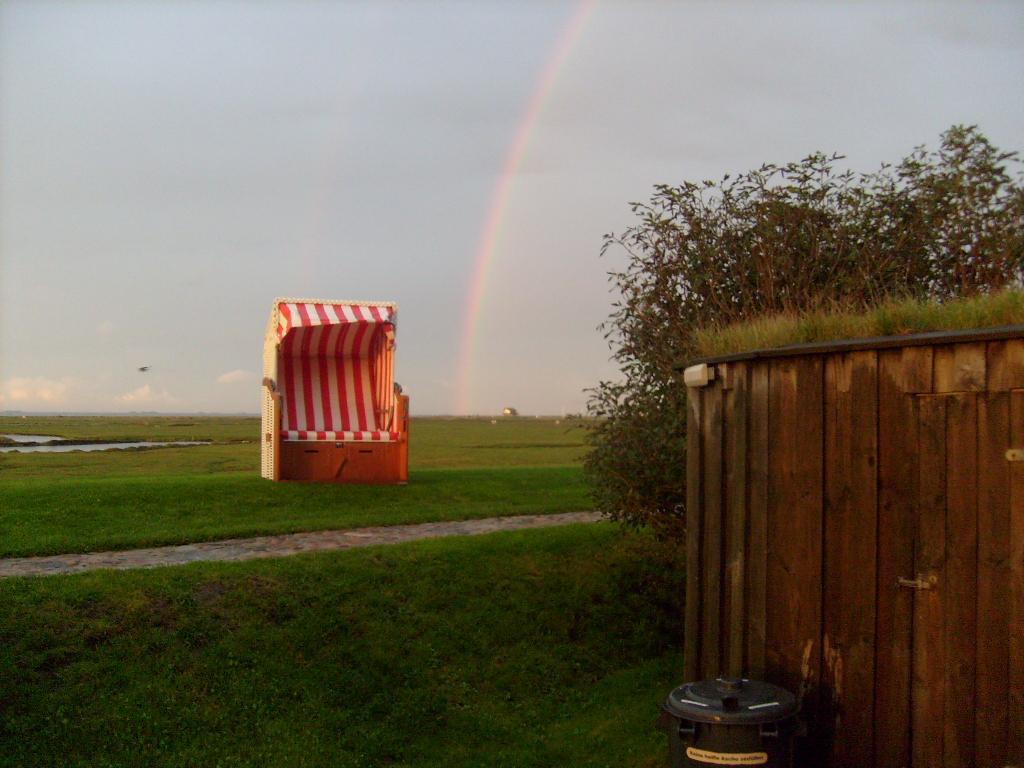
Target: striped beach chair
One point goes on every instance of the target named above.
(331, 409)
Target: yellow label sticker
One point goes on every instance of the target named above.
(726, 758)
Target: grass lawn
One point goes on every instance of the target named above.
(82, 501)
(435, 443)
(82, 515)
(537, 648)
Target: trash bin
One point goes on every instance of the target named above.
(729, 721)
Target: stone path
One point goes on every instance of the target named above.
(278, 546)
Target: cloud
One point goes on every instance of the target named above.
(146, 395)
(35, 391)
(236, 376)
(105, 328)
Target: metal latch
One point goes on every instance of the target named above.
(1015, 454)
(918, 583)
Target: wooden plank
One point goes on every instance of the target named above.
(694, 520)
(960, 368)
(727, 373)
(961, 593)
(793, 642)
(1015, 685)
(275, 438)
(711, 550)
(780, 651)
(915, 371)
(1005, 365)
(836, 404)
(993, 576)
(757, 542)
(929, 654)
(899, 371)
(848, 644)
(734, 607)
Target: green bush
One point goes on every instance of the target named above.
(806, 237)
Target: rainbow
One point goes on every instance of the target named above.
(491, 231)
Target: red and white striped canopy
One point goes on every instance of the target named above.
(336, 370)
(340, 322)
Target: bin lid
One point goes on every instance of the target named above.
(731, 700)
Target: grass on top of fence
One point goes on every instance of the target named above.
(890, 318)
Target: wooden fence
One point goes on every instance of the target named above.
(855, 533)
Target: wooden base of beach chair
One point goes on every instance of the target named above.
(355, 462)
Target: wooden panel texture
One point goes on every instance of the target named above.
(929, 659)
(794, 588)
(961, 585)
(1015, 612)
(855, 534)
(734, 593)
(757, 541)
(900, 372)
(711, 542)
(960, 368)
(694, 533)
(848, 648)
(354, 462)
(993, 593)
(1005, 365)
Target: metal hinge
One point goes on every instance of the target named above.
(918, 583)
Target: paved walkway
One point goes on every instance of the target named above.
(278, 546)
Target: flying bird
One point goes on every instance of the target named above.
(143, 368)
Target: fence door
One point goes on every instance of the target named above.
(967, 691)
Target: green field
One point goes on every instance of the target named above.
(82, 501)
(435, 443)
(538, 648)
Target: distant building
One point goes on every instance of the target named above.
(510, 412)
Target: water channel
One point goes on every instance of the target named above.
(45, 444)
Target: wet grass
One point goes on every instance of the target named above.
(99, 513)
(543, 648)
(537, 648)
(86, 501)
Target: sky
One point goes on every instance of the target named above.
(168, 168)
